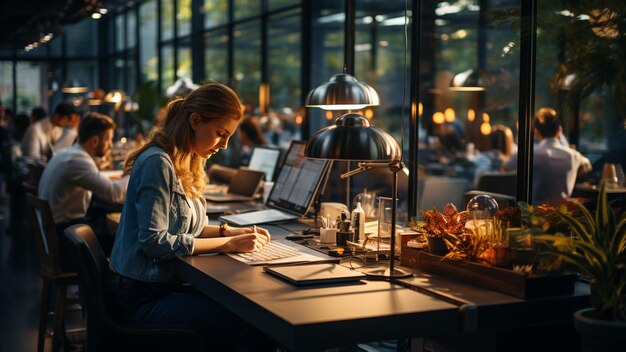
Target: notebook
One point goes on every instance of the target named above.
(265, 159)
(315, 274)
(293, 193)
(242, 187)
(290, 253)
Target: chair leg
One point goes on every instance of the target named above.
(43, 315)
(59, 324)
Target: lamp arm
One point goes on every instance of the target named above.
(364, 166)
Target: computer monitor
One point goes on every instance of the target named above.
(265, 159)
(298, 181)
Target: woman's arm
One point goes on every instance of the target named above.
(242, 239)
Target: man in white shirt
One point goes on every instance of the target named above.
(48, 135)
(72, 175)
(555, 166)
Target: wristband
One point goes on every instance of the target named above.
(223, 228)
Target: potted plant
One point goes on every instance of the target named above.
(441, 227)
(597, 246)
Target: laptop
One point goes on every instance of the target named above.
(265, 159)
(293, 193)
(242, 187)
(315, 274)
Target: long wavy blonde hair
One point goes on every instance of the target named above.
(175, 136)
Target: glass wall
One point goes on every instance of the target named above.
(149, 59)
(467, 96)
(247, 62)
(284, 56)
(6, 84)
(216, 56)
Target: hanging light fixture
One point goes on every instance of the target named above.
(342, 92)
(472, 80)
(74, 87)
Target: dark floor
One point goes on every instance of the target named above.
(20, 287)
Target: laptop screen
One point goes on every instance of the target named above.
(298, 181)
(265, 159)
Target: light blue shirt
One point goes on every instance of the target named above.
(156, 222)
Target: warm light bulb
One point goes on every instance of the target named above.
(439, 118)
(299, 120)
(485, 117)
(471, 115)
(485, 128)
(420, 109)
(329, 115)
(369, 113)
(449, 115)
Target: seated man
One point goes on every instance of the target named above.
(71, 176)
(555, 166)
(50, 134)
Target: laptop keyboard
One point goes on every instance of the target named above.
(271, 251)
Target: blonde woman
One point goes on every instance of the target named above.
(164, 217)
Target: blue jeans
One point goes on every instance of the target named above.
(172, 304)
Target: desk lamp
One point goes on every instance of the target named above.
(353, 138)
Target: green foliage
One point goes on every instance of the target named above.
(597, 246)
(148, 100)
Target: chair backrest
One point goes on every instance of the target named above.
(92, 267)
(501, 182)
(46, 238)
(104, 332)
(437, 191)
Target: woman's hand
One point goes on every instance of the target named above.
(236, 231)
(248, 242)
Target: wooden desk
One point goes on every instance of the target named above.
(318, 317)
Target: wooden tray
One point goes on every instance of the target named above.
(498, 279)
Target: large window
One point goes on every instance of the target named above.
(216, 56)
(6, 83)
(247, 61)
(183, 17)
(29, 87)
(148, 44)
(215, 12)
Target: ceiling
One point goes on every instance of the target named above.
(25, 21)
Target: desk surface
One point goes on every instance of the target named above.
(320, 316)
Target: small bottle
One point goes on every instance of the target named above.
(358, 222)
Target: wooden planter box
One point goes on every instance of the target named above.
(497, 279)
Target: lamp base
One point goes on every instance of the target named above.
(387, 273)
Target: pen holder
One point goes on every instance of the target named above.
(344, 237)
(328, 236)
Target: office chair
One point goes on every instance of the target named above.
(498, 182)
(50, 269)
(104, 332)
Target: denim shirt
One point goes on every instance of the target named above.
(155, 222)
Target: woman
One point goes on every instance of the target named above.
(164, 217)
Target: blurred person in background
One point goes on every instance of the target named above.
(38, 114)
(46, 136)
(555, 166)
(72, 176)
(250, 135)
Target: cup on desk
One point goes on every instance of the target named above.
(328, 236)
(609, 175)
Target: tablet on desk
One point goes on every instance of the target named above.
(315, 274)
